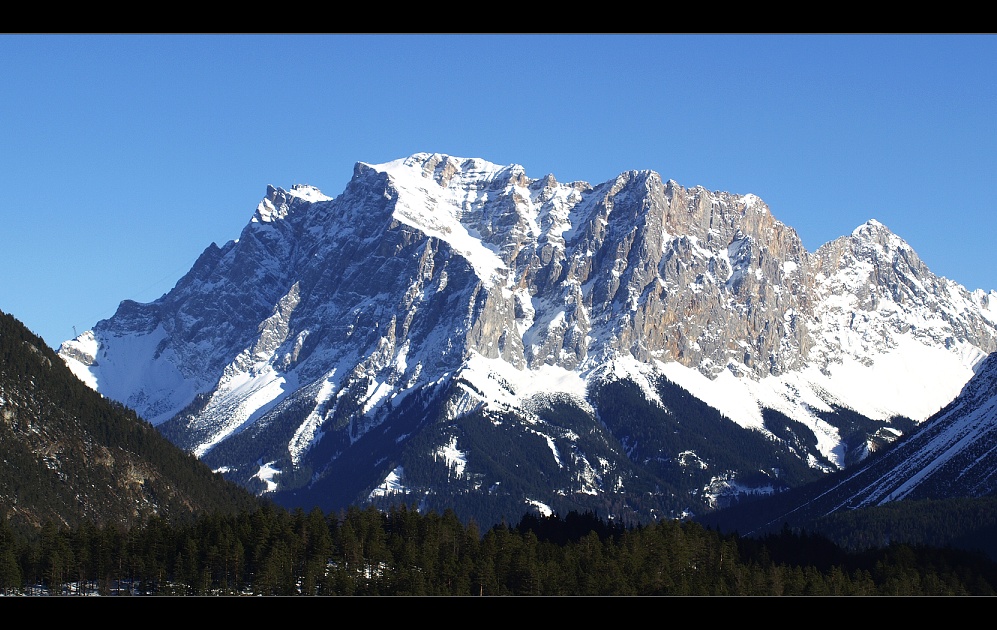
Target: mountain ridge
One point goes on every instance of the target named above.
(440, 276)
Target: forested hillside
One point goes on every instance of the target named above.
(70, 457)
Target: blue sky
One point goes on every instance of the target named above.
(123, 156)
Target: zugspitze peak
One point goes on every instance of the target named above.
(448, 332)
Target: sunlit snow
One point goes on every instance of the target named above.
(305, 434)
(266, 474)
(454, 458)
(553, 449)
(425, 205)
(123, 367)
(308, 193)
(240, 401)
(912, 380)
(726, 393)
(501, 382)
(641, 374)
(543, 508)
(859, 359)
(392, 484)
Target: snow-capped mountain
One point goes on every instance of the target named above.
(453, 332)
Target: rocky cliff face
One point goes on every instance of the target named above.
(441, 278)
(872, 286)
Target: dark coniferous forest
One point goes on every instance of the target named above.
(274, 552)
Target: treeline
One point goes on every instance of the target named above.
(272, 551)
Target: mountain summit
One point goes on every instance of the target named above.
(451, 332)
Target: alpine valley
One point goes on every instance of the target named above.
(451, 333)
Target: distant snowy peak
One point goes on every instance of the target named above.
(488, 214)
(878, 244)
(872, 226)
(912, 338)
(308, 193)
(874, 271)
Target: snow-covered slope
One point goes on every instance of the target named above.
(952, 455)
(435, 290)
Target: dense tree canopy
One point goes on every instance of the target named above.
(272, 551)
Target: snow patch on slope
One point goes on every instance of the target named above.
(641, 374)
(267, 474)
(958, 437)
(454, 458)
(499, 383)
(930, 377)
(240, 401)
(307, 433)
(392, 484)
(726, 393)
(132, 369)
(912, 380)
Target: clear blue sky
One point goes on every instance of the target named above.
(123, 156)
